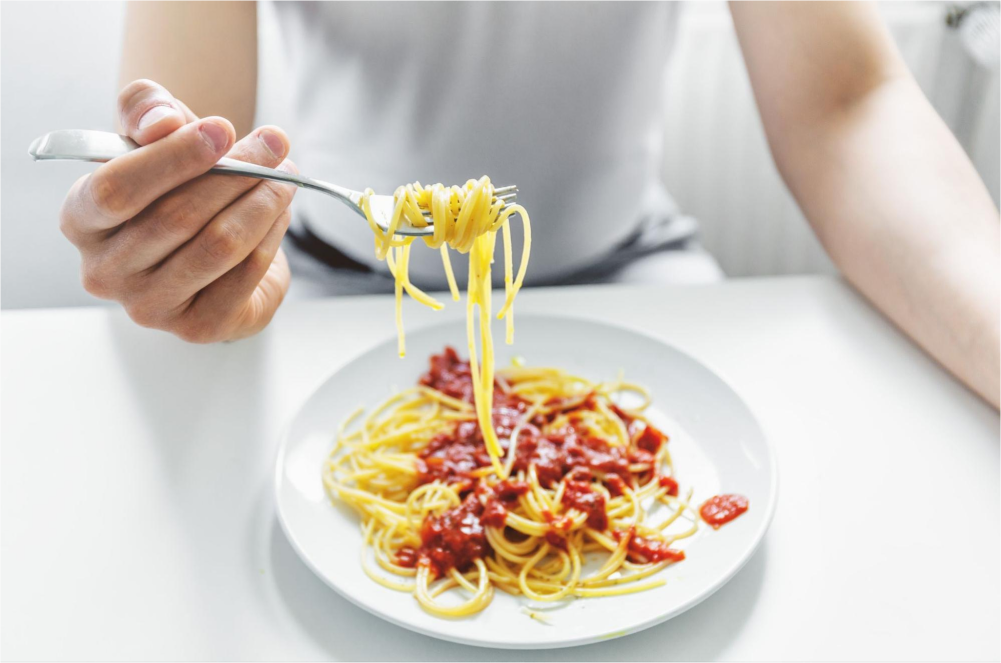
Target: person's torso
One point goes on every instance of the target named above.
(562, 99)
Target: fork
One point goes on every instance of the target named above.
(103, 146)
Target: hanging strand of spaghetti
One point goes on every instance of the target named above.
(466, 219)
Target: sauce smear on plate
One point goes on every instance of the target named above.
(721, 509)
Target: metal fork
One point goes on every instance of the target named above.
(103, 146)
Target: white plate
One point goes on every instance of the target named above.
(716, 444)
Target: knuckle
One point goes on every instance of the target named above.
(93, 284)
(97, 279)
(284, 193)
(198, 330)
(188, 211)
(283, 221)
(144, 314)
(176, 217)
(109, 196)
(272, 196)
(221, 242)
(268, 197)
(70, 212)
(259, 260)
(68, 224)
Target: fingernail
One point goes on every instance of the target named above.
(154, 115)
(274, 144)
(288, 167)
(214, 136)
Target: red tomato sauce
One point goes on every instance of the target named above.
(647, 551)
(406, 556)
(616, 486)
(450, 375)
(651, 439)
(670, 484)
(494, 513)
(555, 539)
(579, 495)
(499, 500)
(721, 509)
(455, 538)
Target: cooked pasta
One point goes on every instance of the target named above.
(480, 479)
(580, 476)
(467, 219)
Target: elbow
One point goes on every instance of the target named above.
(809, 158)
(805, 137)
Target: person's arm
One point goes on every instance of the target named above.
(205, 53)
(886, 187)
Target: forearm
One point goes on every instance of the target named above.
(902, 212)
(205, 53)
(884, 184)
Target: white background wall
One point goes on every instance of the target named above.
(717, 163)
(61, 77)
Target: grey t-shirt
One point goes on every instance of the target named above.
(563, 99)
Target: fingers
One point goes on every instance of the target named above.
(219, 228)
(226, 240)
(180, 214)
(266, 299)
(267, 146)
(242, 301)
(194, 254)
(188, 115)
(120, 189)
(147, 112)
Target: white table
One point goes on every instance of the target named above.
(138, 519)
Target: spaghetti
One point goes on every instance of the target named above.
(476, 479)
(467, 219)
(581, 476)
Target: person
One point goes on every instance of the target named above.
(562, 99)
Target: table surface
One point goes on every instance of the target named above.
(139, 522)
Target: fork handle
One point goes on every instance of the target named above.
(103, 146)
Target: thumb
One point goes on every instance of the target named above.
(147, 112)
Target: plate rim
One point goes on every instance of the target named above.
(757, 539)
